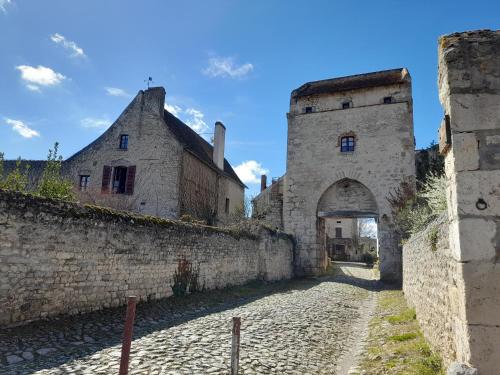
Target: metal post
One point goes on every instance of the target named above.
(235, 346)
(127, 335)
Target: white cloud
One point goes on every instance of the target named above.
(21, 128)
(115, 91)
(95, 123)
(39, 76)
(226, 67)
(250, 171)
(195, 121)
(3, 4)
(173, 109)
(68, 44)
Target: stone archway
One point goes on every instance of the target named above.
(339, 208)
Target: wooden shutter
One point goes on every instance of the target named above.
(129, 183)
(106, 178)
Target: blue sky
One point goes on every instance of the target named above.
(68, 68)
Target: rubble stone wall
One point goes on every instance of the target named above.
(430, 285)
(63, 258)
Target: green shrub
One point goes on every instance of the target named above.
(17, 179)
(414, 210)
(52, 184)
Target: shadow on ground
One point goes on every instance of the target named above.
(57, 341)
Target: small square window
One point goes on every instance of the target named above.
(123, 142)
(308, 110)
(388, 100)
(339, 221)
(347, 144)
(346, 105)
(84, 182)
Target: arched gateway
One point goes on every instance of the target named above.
(350, 143)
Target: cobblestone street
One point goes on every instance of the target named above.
(295, 327)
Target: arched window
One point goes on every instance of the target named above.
(347, 144)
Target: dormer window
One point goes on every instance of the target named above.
(346, 105)
(388, 100)
(123, 142)
(308, 110)
(347, 144)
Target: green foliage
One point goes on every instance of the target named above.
(52, 184)
(429, 161)
(433, 236)
(17, 179)
(413, 211)
(406, 315)
(403, 336)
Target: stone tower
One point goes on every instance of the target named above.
(350, 143)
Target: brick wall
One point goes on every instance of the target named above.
(62, 258)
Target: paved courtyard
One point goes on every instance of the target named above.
(296, 327)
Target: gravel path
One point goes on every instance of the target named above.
(297, 327)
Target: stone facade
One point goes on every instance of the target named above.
(63, 258)
(268, 205)
(469, 90)
(375, 110)
(167, 170)
(456, 286)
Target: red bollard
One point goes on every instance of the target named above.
(127, 335)
(235, 346)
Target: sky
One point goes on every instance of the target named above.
(68, 68)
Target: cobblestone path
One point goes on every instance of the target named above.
(295, 327)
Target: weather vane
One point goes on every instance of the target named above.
(149, 80)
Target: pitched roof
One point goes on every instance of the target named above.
(355, 82)
(197, 145)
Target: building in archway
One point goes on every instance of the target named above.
(350, 143)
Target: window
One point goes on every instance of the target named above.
(226, 208)
(388, 100)
(119, 180)
(338, 232)
(346, 105)
(347, 144)
(123, 142)
(308, 110)
(338, 222)
(84, 182)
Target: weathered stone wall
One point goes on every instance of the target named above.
(62, 258)
(268, 205)
(469, 90)
(152, 149)
(383, 157)
(430, 285)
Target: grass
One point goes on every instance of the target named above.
(396, 344)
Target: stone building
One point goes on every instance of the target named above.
(150, 162)
(350, 143)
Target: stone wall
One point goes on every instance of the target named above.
(268, 205)
(456, 289)
(62, 258)
(430, 285)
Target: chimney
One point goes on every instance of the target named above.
(263, 182)
(154, 100)
(219, 140)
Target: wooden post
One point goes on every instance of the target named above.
(235, 346)
(127, 335)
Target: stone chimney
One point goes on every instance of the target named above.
(263, 182)
(219, 140)
(154, 100)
